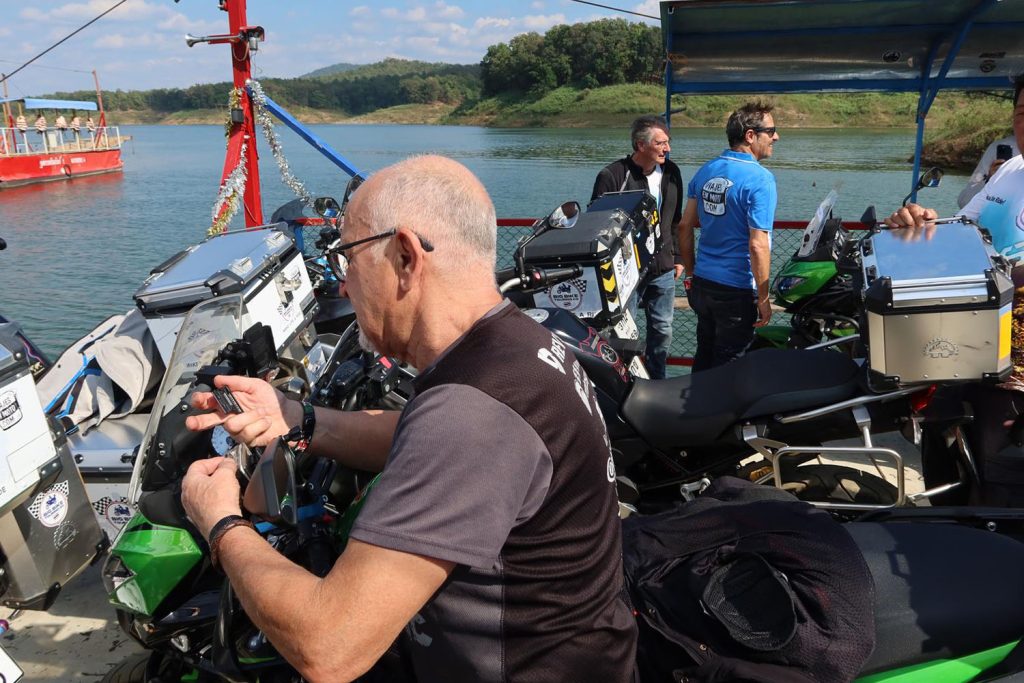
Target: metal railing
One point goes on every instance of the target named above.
(14, 142)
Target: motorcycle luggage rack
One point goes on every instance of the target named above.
(774, 451)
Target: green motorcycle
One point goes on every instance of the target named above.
(817, 286)
(940, 614)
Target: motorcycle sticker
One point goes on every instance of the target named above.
(941, 348)
(51, 506)
(10, 410)
(582, 295)
(117, 512)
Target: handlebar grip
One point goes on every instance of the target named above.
(545, 277)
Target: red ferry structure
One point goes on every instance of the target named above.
(35, 155)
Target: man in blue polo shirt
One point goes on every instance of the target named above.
(732, 199)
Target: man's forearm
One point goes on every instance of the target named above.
(760, 263)
(360, 439)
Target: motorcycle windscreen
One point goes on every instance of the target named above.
(207, 328)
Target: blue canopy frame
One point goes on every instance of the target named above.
(36, 103)
(800, 46)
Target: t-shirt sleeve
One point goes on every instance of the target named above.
(691, 188)
(464, 469)
(761, 212)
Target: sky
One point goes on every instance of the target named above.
(141, 45)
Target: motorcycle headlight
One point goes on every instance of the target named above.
(784, 284)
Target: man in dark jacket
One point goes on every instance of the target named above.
(648, 168)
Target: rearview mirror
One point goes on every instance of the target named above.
(930, 178)
(327, 207)
(352, 186)
(564, 216)
(271, 493)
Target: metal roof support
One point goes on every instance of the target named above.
(930, 86)
(309, 136)
(668, 79)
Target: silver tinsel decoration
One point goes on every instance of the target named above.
(230, 194)
(259, 99)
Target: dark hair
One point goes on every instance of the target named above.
(750, 115)
(641, 129)
(1018, 85)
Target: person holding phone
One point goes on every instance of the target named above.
(995, 155)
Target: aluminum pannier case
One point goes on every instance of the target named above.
(937, 305)
(48, 531)
(263, 263)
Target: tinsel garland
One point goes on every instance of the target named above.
(229, 197)
(233, 188)
(259, 99)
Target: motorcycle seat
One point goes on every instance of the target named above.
(694, 410)
(941, 590)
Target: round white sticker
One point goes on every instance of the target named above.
(54, 508)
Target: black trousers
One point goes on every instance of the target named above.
(725, 322)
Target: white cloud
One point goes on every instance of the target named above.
(537, 5)
(541, 22)
(492, 22)
(416, 14)
(359, 11)
(443, 10)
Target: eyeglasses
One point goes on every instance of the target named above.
(661, 143)
(339, 262)
(769, 131)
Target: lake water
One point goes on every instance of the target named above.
(78, 250)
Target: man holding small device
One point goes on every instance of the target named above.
(994, 156)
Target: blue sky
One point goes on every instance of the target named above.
(141, 44)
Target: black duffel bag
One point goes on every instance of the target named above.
(747, 583)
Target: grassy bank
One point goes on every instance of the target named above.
(959, 126)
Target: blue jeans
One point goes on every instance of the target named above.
(725, 322)
(657, 296)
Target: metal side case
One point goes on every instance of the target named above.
(614, 241)
(937, 306)
(48, 530)
(262, 264)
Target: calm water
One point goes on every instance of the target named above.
(79, 250)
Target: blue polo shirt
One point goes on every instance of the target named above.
(734, 194)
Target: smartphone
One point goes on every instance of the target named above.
(1004, 152)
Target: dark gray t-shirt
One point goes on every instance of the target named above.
(464, 469)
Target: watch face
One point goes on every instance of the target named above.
(221, 441)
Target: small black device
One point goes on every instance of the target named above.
(226, 401)
(1004, 152)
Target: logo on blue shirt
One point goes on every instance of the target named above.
(713, 195)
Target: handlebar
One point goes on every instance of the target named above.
(536, 278)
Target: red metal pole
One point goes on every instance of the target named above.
(241, 72)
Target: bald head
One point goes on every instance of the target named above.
(439, 199)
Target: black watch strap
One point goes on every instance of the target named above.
(307, 427)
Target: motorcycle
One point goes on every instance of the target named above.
(820, 285)
(171, 600)
(670, 437)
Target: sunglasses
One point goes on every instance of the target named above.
(339, 262)
(769, 131)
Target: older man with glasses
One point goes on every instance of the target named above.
(732, 198)
(490, 547)
(649, 168)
